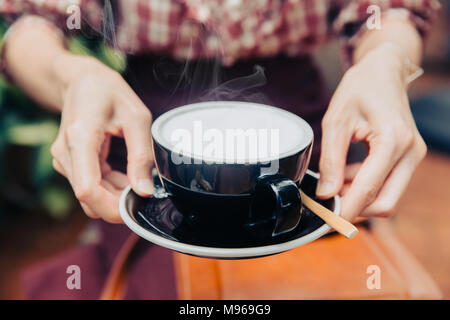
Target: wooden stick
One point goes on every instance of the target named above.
(336, 222)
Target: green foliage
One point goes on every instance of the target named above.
(27, 178)
(112, 58)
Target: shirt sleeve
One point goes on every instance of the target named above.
(64, 14)
(357, 16)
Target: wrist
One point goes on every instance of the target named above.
(392, 56)
(68, 67)
(384, 56)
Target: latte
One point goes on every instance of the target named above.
(231, 132)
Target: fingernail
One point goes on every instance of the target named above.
(145, 186)
(325, 188)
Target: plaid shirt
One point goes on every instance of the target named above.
(229, 29)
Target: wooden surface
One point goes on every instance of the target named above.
(28, 238)
(423, 219)
(411, 249)
(422, 225)
(330, 268)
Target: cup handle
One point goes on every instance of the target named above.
(276, 198)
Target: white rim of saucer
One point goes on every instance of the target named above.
(214, 252)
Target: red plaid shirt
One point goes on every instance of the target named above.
(231, 29)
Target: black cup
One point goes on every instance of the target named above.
(231, 196)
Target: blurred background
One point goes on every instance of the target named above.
(39, 216)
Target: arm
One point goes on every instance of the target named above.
(371, 105)
(38, 37)
(96, 104)
(401, 32)
(49, 66)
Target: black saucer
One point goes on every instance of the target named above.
(159, 216)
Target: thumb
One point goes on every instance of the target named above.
(140, 158)
(333, 156)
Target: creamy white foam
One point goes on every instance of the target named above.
(269, 132)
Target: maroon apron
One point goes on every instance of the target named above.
(293, 84)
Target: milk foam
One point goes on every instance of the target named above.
(205, 121)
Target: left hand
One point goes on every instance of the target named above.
(370, 105)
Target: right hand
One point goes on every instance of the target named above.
(99, 104)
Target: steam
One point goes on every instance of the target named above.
(238, 88)
(108, 26)
(200, 80)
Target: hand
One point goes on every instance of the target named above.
(99, 104)
(370, 105)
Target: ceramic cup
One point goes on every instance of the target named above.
(233, 165)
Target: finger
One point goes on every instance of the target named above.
(59, 168)
(117, 179)
(89, 212)
(336, 139)
(344, 189)
(359, 219)
(369, 179)
(92, 214)
(105, 168)
(393, 188)
(61, 157)
(349, 174)
(351, 170)
(104, 149)
(140, 154)
(111, 188)
(84, 146)
(103, 203)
